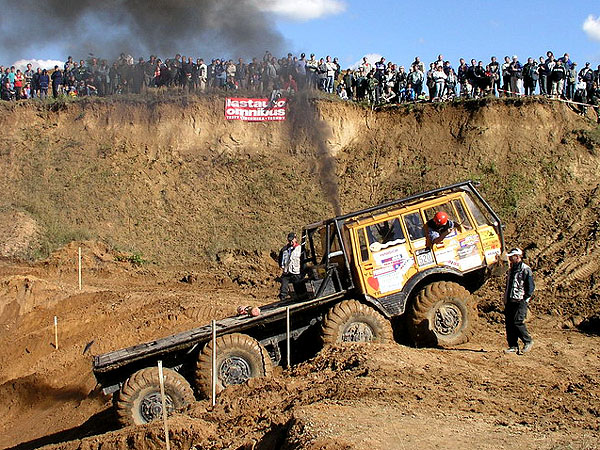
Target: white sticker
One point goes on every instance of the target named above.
(391, 278)
(470, 262)
(389, 256)
(446, 254)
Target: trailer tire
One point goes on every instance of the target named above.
(239, 358)
(442, 314)
(139, 400)
(352, 321)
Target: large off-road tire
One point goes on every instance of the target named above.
(442, 314)
(351, 321)
(139, 400)
(239, 358)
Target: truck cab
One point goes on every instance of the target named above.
(382, 255)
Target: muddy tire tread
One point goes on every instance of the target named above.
(230, 342)
(125, 402)
(338, 316)
(429, 297)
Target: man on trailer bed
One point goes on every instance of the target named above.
(289, 261)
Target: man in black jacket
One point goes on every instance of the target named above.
(7, 93)
(519, 289)
(495, 71)
(587, 74)
(530, 76)
(557, 78)
(57, 81)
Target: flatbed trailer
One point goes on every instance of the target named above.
(108, 367)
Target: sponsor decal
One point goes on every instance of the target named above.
(392, 278)
(446, 254)
(489, 239)
(465, 252)
(389, 256)
(469, 240)
(491, 255)
(391, 264)
(255, 109)
(469, 262)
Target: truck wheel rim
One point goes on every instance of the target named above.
(151, 406)
(234, 370)
(447, 319)
(358, 332)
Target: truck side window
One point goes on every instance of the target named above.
(385, 234)
(364, 252)
(479, 216)
(463, 219)
(414, 225)
(446, 207)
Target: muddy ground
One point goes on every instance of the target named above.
(355, 397)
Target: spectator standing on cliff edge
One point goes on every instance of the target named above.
(519, 289)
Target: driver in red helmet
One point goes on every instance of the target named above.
(438, 227)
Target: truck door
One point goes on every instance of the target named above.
(461, 249)
(385, 257)
(490, 241)
(415, 228)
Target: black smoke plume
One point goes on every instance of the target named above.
(106, 28)
(306, 122)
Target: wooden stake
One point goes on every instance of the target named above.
(213, 377)
(79, 267)
(55, 332)
(287, 329)
(164, 403)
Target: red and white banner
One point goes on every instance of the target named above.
(255, 109)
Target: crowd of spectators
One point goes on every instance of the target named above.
(379, 83)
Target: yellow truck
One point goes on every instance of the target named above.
(360, 271)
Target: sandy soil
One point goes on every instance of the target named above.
(358, 397)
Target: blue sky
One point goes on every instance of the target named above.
(400, 30)
(459, 28)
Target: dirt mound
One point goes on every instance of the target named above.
(19, 233)
(357, 397)
(197, 186)
(20, 294)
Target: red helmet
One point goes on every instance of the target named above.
(440, 218)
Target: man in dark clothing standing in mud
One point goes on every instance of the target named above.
(519, 289)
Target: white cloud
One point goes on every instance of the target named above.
(372, 58)
(35, 63)
(591, 26)
(305, 10)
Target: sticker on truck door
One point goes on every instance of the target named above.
(389, 254)
(390, 274)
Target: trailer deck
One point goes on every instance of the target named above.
(272, 312)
